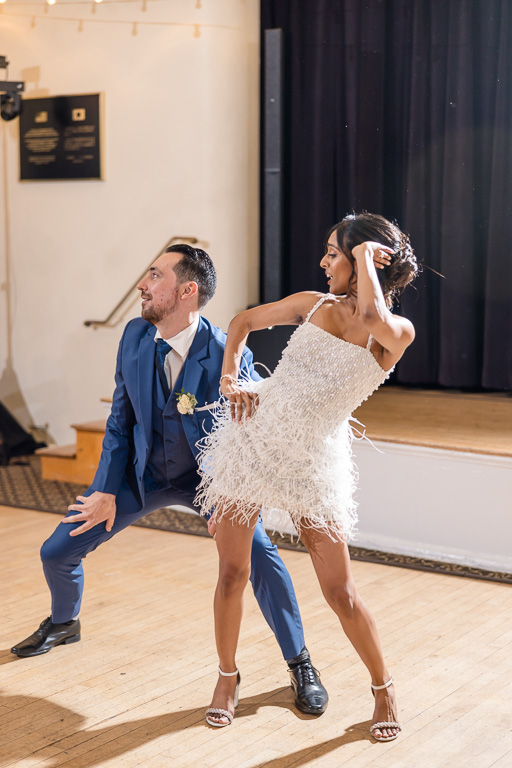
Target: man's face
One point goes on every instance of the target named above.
(159, 289)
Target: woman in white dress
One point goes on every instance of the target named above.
(284, 444)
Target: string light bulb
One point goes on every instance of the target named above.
(51, 2)
(98, 1)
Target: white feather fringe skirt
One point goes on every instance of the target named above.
(291, 461)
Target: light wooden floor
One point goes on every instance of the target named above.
(133, 692)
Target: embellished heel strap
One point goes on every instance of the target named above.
(228, 674)
(377, 687)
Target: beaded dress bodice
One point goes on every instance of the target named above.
(331, 375)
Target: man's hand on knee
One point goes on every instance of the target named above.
(93, 509)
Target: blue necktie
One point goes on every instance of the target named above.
(162, 350)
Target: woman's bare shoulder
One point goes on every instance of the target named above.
(304, 302)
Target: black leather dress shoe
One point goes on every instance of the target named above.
(47, 637)
(310, 695)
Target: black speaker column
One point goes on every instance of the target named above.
(272, 181)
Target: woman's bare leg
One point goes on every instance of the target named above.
(331, 561)
(234, 543)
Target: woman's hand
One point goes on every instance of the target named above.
(212, 526)
(243, 403)
(380, 254)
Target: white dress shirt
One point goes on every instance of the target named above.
(180, 344)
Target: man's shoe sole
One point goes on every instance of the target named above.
(310, 711)
(66, 641)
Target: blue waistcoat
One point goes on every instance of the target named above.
(171, 461)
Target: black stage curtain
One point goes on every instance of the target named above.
(403, 107)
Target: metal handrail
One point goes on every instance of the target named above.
(106, 322)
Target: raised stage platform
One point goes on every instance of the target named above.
(449, 420)
(441, 487)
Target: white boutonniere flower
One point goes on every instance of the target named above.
(186, 402)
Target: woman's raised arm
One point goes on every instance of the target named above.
(289, 311)
(393, 332)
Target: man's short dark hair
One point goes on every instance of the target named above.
(197, 266)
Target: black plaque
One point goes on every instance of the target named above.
(60, 138)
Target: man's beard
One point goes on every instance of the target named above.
(154, 315)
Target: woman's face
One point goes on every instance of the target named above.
(337, 267)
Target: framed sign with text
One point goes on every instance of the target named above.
(60, 138)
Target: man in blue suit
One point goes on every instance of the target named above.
(149, 459)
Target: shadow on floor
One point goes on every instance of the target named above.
(37, 728)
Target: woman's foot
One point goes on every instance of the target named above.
(225, 699)
(385, 713)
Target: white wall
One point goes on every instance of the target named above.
(181, 158)
(445, 505)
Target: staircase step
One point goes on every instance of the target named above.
(90, 426)
(59, 462)
(75, 463)
(58, 451)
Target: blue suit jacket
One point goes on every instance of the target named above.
(128, 435)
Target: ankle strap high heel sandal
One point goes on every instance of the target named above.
(216, 711)
(384, 724)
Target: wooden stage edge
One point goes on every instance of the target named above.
(448, 420)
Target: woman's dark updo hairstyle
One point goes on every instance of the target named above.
(356, 228)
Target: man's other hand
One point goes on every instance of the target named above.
(93, 509)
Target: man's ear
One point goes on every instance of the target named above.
(189, 290)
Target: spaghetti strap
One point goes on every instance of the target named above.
(369, 342)
(318, 304)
